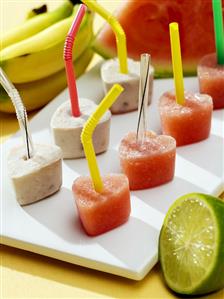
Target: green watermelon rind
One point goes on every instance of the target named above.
(161, 71)
(99, 49)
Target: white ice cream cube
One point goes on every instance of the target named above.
(128, 99)
(38, 177)
(67, 129)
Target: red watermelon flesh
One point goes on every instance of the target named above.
(146, 24)
(211, 79)
(186, 123)
(147, 164)
(101, 212)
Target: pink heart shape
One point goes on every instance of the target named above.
(150, 163)
(101, 212)
(186, 123)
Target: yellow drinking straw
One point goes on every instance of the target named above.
(87, 132)
(118, 31)
(177, 63)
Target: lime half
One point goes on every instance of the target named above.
(191, 245)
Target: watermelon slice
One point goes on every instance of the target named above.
(146, 24)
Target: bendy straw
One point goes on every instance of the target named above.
(86, 135)
(219, 32)
(68, 60)
(20, 112)
(143, 96)
(118, 31)
(177, 63)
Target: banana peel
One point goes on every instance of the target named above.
(35, 25)
(36, 11)
(46, 49)
(38, 93)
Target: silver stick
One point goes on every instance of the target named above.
(20, 112)
(143, 96)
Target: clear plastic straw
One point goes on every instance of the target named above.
(69, 61)
(143, 96)
(20, 112)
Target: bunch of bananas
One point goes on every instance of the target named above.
(32, 55)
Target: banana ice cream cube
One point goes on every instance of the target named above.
(66, 129)
(38, 177)
(128, 99)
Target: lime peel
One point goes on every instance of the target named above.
(191, 246)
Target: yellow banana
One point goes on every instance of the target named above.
(37, 24)
(42, 54)
(38, 93)
(36, 11)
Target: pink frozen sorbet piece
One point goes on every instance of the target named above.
(101, 212)
(187, 123)
(211, 79)
(150, 163)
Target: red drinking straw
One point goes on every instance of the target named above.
(69, 41)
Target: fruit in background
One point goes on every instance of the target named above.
(35, 25)
(36, 11)
(146, 24)
(44, 69)
(38, 93)
(41, 55)
(191, 245)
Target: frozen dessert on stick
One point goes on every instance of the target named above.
(67, 129)
(35, 170)
(187, 123)
(211, 67)
(121, 70)
(150, 163)
(211, 79)
(100, 212)
(184, 115)
(103, 203)
(147, 159)
(68, 120)
(128, 100)
(37, 177)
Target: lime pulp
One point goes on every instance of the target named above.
(190, 245)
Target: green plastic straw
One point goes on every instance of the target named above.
(219, 34)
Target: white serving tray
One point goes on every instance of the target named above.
(51, 226)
